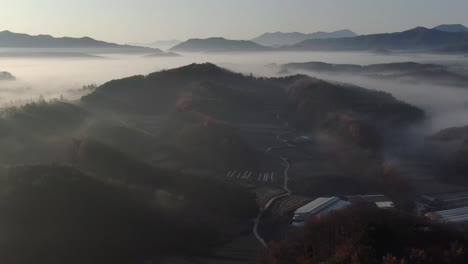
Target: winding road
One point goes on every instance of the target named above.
(287, 165)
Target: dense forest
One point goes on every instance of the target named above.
(367, 235)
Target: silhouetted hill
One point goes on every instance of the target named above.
(6, 76)
(160, 44)
(17, 40)
(291, 38)
(419, 38)
(403, 71)
(218, 45)
(452, 28)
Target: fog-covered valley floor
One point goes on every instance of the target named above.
(64, 77)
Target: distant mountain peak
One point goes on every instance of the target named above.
(452, 28)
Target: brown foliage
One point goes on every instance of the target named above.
(364, 235)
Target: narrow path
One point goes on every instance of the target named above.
(287, 165)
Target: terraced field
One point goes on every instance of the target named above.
(264, 194)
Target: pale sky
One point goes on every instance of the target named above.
(148, 20)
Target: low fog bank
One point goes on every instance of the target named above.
(445, 106)
(64, 77)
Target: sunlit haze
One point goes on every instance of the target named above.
(125, 21)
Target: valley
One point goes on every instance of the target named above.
(325, 147)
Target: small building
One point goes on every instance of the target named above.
(319, 206)
(451, 216)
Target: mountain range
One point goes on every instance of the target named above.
(290, 38)
(13, 40)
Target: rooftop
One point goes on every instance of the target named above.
(456, 215)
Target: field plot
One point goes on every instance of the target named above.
(264, 194)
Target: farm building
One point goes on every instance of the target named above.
(319, 206)
(451, 216)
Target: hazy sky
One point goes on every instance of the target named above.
(147, 20)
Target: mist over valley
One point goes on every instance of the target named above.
(231, 145)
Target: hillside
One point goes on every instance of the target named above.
(290, 38)
(10, 39)
(419, 38)
(403, 71)
(218, 45)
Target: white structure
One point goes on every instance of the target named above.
(452, 216)
(320, 206)
(379, 200)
